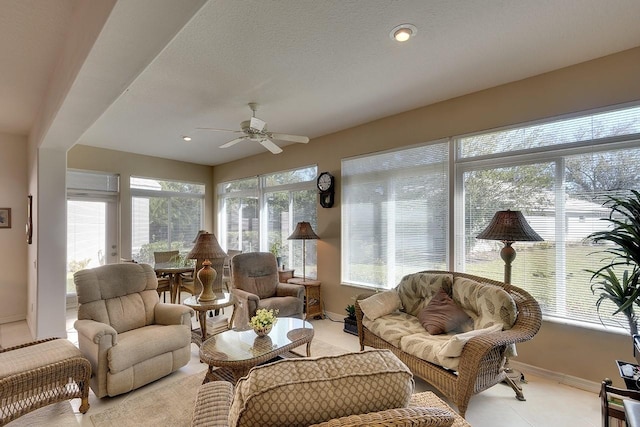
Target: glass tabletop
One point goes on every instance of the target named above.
(236, 345)
(223, 298)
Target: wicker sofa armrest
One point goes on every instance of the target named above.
(95, 331)
(414, 416)
(290, 290)
(173, 314)
(213, 404)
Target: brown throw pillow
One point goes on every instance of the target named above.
(442, 314)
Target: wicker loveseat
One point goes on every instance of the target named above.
(500, 316)
(355, 389)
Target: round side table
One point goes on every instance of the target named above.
(201, 307)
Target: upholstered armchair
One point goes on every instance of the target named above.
(128, 335)
(256, 285)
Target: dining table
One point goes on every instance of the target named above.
(174, 273)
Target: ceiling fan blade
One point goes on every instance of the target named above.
(257, 124)
(220, 130)
(292, 138)
(269, 145)
(233, 142)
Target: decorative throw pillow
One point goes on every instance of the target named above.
(453, 348)
(442, 314)
(379, 304)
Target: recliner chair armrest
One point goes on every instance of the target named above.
(244, 295)
(213, 404)
(290, 290)
(173, 314)
(94, 331)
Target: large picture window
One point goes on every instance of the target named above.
(166, 215)
(259, 213)
(395, 214)
(558, 175)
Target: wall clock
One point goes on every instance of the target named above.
(326, 188)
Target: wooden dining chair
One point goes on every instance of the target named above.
(611, 399)
(164, 284)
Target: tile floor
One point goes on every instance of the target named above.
(549, 403)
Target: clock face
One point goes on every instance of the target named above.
(324, 182)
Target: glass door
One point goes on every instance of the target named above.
(91, 236)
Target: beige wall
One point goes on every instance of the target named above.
(603, 82)
(127, 164)
(13, 246)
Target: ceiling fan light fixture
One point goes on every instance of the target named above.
(186, 138)
(403, 32)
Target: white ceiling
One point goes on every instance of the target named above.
(315, 67)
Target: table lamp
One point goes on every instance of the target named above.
(303, 232)
(207, 248)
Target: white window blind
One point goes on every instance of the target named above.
(394, 214)
(560, 191)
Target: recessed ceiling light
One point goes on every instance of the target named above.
(186, 138)
(403, 32)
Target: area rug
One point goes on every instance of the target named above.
(59, 414)
(318, 348)
(172, 404)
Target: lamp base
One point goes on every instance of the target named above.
(207, 275)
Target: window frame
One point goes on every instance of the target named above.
(394, 174)
(262, 192)
(168, 194)
(556, 154)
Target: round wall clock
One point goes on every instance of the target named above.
(326, 184)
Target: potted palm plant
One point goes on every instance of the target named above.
(350, 322)
(618, 280)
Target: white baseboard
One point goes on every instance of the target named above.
(13, 318)
(558, 377)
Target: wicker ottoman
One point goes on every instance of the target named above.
(40, 373)
(430, 400)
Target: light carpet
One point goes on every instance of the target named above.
(172, 404)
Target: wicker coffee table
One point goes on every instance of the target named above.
(231, 354)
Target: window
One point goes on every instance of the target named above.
(557, 174)
(166, 215)
(259, 213)
(395, 214)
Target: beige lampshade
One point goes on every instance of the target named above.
(206, 247)
(509, 226)
(303, 231)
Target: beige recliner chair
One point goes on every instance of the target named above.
(256, 285)
(128, 335)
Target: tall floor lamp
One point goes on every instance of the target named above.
(509, 227)
(303, 232)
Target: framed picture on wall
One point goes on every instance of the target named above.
(29, 229)
(5, 217)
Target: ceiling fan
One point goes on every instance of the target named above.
(255, 130)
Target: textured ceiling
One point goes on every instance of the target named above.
(317, 67)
